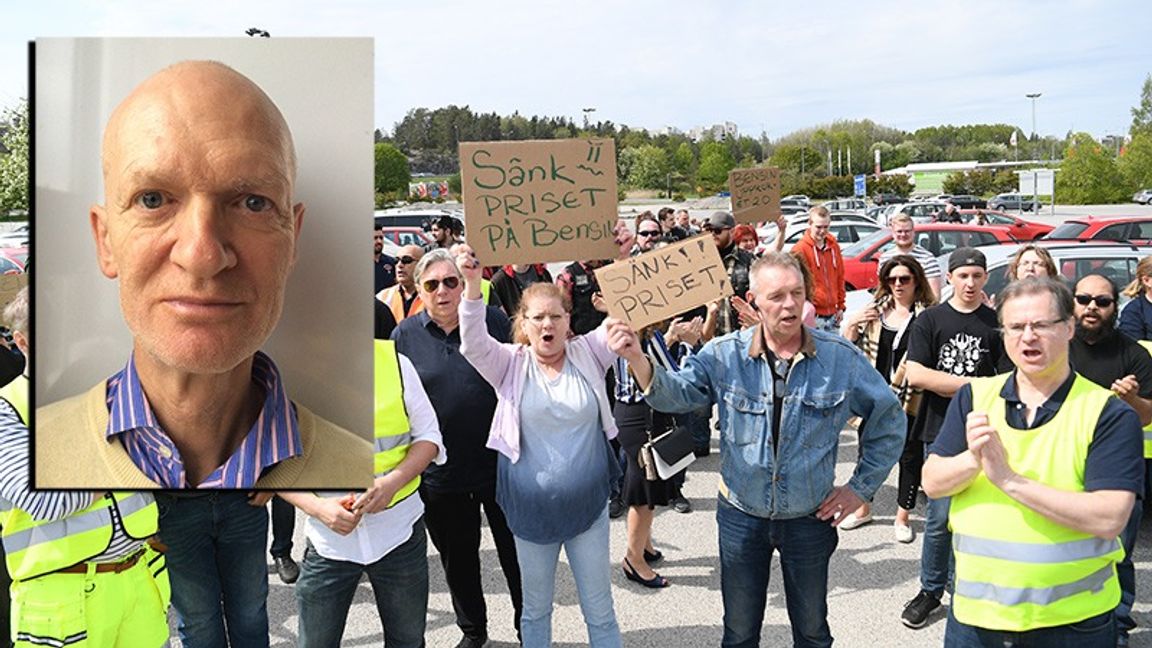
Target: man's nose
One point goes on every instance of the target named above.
(203, 247)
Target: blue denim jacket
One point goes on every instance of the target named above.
(825, 387)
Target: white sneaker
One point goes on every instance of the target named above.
(904, 533)
(851, 521)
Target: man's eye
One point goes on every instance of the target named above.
(150, 200)
(256, 203)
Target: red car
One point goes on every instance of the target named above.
(401, 235)
(861, 259)
(1133, 229)
(1022, 230)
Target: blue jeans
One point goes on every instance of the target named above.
(216, 565)
(1094, 632)
(591, 568)
(746, 546)
(936, 564)
(283, 525)
(399, 583)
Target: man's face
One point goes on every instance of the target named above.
(818, 227)
(721, 236)
(647, 235)
(666, 222)
(441, 234)
(198, 222)
(378, 242)
(410, 255)
(779, 296)
(443, 299)
(1094, 319)
(968, 282)
(902, 234)
(1036, 341)
(682, 220)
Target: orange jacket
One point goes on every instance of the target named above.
(827, 268)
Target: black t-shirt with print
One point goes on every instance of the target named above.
(961, 344)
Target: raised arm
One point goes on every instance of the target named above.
(490, 358)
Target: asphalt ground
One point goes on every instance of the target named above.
(871, 577)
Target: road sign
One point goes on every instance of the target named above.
(860, 185)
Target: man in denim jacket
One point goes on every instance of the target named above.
(784, 393)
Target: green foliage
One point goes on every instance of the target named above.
(981, 182)
(1089, 175)
(1136, 162)
(14, 158)
(455, 186)
(649, 169)
(815, 186)
(392, 174)
(796, 158)
(1142, 114)
(683, 159)
(715, 163)
(896, 183)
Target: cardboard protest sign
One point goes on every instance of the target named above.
(665, 282)
(10, 284)
(534, 201)
(755, 194)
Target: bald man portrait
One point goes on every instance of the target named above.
(200, 227)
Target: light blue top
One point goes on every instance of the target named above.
(560, 485)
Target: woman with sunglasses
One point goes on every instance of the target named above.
(555, 466)
(879, 330)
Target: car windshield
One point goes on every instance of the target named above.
(1068, 230)
(858, 248)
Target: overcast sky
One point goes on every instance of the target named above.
(767, 66)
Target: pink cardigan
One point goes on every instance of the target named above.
(505, 367)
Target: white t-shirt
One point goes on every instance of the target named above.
(927, 261)
(379, 533)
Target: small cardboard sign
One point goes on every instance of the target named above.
(664, 282)
(755, 194)
(539, 200)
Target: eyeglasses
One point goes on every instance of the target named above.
(648, 233)
(1102, 301)
(451, 283)
(1041, 327)
(406, 260)
(899, 279)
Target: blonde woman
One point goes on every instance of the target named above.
(1136, 318)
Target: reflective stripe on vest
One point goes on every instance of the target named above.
(16, 393)
(1017, 570)
(392, 430)
(1147, 344)
(37, 547)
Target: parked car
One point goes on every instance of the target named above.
(1144, 196)
(16, 237)
(862, 258)
(888, 199)
(407, 235)
(968, 201)
(792, 206)
(875, 212)
(845, 232)
(1133, 229)
(802, 218)
(412, 218)
(1022, 230)
(1117, 261)
(800, 198)
(845, 204)
(1014, 201)
(921, 212)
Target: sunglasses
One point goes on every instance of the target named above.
(1102, 301)
(900, 280)
(648, 233)
(716, 230)
(451, 283)
(406, 260)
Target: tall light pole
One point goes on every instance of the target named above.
(589, 111)
(1033, 96)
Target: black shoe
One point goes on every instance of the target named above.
(917, 610)
(287, 568)
(473, 642)
(616, 508)
(653, 557)
(681, 504)
(702, 451)
(656, 582)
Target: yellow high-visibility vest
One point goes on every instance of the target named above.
(16, 393)
(1147, 344)
(1017, 570)
(392, 430)
(38, 547)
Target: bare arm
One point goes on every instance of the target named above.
(945, 476)
(933, 380)
(377, 498)
(1128, 389)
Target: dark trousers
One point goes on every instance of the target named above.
(283, 526)
(453, 521)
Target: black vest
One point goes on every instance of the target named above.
(585, 317)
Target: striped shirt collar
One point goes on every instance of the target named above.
(274, 437)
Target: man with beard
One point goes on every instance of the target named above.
(737, 262)
(446, 231)
(1107, 357)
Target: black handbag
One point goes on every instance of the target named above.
(667, 454)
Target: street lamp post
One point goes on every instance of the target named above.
(587, 112)
(1033, 96)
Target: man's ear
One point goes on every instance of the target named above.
(104, 253)
(297, 223)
